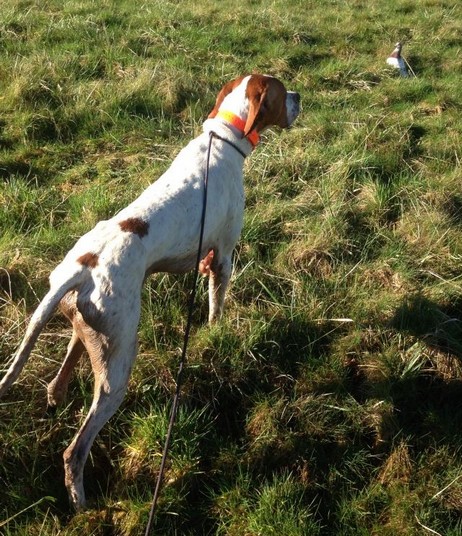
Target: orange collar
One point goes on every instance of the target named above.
(239, 123)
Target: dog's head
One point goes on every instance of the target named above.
(260, 101)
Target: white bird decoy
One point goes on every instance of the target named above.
(395, 60)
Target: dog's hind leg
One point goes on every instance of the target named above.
(57, 388)
(112, 364)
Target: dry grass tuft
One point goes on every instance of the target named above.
(315, 262)
(398, 467)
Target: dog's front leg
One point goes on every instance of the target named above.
(220, 273)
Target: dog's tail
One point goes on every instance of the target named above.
(40, 317)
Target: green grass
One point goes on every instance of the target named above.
(327, 401)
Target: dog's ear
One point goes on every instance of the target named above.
(225, 90)
(267, 103)
(257, 105)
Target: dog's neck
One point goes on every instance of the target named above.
(228, 132)
(230, 126)
(232, 117)
(239, 123)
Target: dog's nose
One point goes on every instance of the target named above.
(294, 97)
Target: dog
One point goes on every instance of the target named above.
(98, 284)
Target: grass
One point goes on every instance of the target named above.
(327, 401)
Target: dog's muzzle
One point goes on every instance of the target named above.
(292, 106)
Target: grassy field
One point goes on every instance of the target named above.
(329, 399)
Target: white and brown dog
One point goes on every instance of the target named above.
(98, 284)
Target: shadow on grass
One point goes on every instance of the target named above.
(440, 326)
(16, 167)
(321, 445)
(453, 208)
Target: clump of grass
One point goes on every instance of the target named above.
(271, 508)
(142, 449)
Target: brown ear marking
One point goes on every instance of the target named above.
(267, 97)
(135, 225)
(256, 91)
(90, 260)
(225, 90)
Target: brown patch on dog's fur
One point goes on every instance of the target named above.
(90, 260)
(267, 97)
(267, 102)
(226, 90)
(135, 225)
(206, 263)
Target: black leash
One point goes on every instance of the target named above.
(176, 397)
